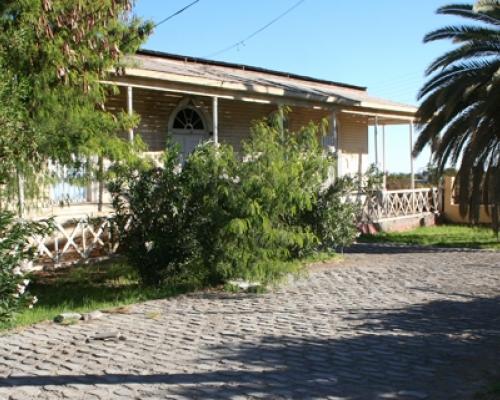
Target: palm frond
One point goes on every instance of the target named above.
(467, 11)
(469, 50)
(462, 33)
(488, 7)
(459, 113)
(480, 69)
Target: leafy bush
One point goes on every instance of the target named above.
(332, 218)
(153, 220)
(249, 209)
(14, 252)
(226, 215)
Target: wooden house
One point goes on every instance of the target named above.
(195, 99)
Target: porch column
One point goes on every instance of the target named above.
(20, 194)
(130, 110)
(100, 187)
(336, 141)
(282, 120)
(376, 141)
(384, 158)
(329, 141)
(412, 175)
(215, 118)
(330, 145)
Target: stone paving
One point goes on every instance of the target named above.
(387, 323)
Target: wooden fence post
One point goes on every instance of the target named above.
(101, 183)
(20, 194)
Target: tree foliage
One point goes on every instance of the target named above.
(14, 252)
(53, 56)
(459, 112)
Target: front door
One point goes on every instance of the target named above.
(188, 129)
(187, 143)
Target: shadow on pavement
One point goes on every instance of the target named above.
(438, 350)
(395, 248)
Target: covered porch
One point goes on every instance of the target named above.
(193, 101)
(402, 208)
(192, 117)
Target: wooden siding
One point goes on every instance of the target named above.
(235, 119)
(353, 144)
(301, 116)
(118, 103)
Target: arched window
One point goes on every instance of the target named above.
(188, 119)
(188, 126)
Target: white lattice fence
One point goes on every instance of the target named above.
(77, 240)
(400, 203)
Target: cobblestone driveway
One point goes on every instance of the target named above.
(396, 323)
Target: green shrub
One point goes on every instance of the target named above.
(226, 215)
(211, 185)
(248, 209)
(153, 221)
(333, 219)
(14, 252)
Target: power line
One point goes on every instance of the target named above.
(242, 42)
(176, 13)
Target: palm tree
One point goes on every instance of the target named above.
(459, 114)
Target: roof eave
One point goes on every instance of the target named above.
(236, 87)
(268, 91)
(244, 67)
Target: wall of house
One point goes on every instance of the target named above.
(235, 120)
(236, 117)
(156, 108)
(353, 146)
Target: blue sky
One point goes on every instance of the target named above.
(377, 44)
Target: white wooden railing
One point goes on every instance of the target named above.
(80, 239)
(77, 240)
(63, 190)
(399, 203)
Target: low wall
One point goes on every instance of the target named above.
(451, 210)
(406, 223)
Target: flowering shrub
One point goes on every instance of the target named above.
(14, 254)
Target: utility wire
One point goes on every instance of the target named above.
(176, 13)
(242, 42)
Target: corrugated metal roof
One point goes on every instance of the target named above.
(251, 77)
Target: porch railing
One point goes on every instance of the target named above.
(77, 240)
(399, 203)
(65, 190)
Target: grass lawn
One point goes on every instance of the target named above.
(440, 236)
(108, 285)
(87, 288)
